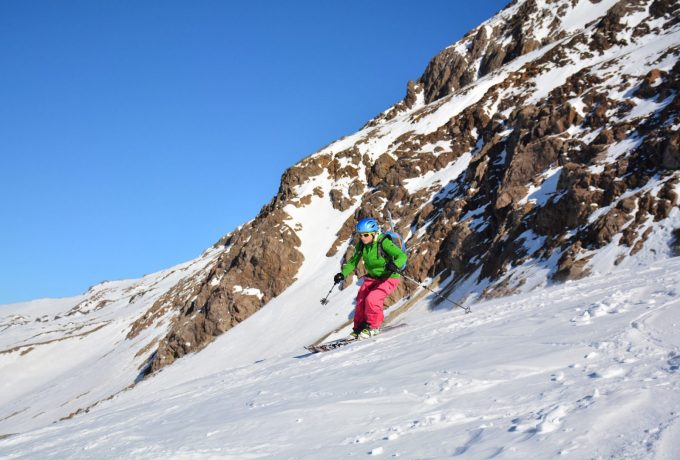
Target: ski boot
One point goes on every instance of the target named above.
(368, 332)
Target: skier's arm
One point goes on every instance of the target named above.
(352, 262)
(395, 252)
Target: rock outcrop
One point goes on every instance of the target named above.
(529, 145)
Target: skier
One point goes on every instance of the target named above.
(382, 278)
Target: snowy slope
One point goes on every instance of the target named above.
(551, 370)
(587, 369)
(58, 357)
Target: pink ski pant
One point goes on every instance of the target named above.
(370, 300)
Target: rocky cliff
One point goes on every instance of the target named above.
(542, 146)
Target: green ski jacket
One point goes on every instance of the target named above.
(375, 265)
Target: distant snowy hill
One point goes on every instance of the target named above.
(59, 357)
(542, 148)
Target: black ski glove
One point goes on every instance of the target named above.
(338, 278)
(390, 267)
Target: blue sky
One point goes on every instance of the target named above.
(134, 134)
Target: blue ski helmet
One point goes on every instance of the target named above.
(367, 225)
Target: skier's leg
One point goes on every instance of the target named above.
(360, 309)
(375, 300)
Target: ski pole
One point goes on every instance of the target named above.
(389, 218)
(467, 309)
(324, 301)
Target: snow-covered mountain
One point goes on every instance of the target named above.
(543, 147)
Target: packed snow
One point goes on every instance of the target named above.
(587, 369)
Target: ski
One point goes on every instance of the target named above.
(332, 345)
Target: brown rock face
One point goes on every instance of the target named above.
(258, 267)
(670, 156)
(447, 72)
(543, 180)
(647, 87)
(380, 169)
(675, 243)
(570, 267)
(450, 70)
(260, 261)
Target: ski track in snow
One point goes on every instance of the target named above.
(586, 369)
